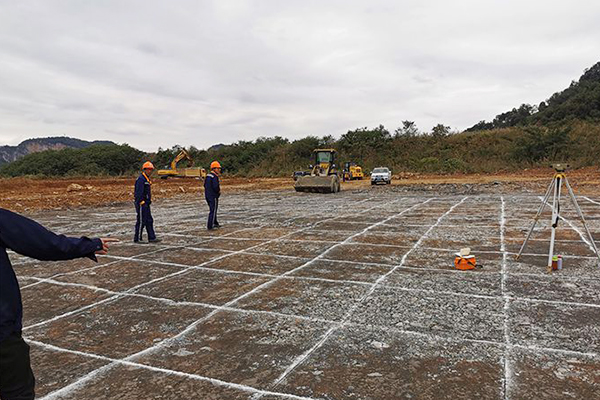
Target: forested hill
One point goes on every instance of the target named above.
(11, 153)
(580, 101)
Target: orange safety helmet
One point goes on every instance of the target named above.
(147, 165)
(215, 164)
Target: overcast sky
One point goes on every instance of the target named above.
(157, 73)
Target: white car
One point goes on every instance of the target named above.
(381, 174)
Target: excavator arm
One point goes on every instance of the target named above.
(190, 172)
(182, 154)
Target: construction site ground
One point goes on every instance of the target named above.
(30, 194)
(310, 296)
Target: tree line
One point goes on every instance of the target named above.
(95, 160)
(404, 149)
(408, 149)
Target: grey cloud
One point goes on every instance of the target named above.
(156, 73)
(148, 48)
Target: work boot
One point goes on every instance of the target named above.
(155, 240)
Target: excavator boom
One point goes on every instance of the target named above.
(190, 172)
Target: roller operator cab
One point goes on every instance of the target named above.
(323, 176)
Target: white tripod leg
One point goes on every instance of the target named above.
(580, 213)
(555, 216)
(536, 218)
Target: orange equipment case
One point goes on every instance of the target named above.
(465, 262)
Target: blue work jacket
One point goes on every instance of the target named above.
(212, 188)
(142, 190)
(27, 237)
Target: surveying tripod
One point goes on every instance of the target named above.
(556, 187)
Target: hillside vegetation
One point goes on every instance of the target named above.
(12, 153)
(565, 127)
(507, 149)
(580, 101)
(99, 159)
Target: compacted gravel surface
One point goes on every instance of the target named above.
(310, 296)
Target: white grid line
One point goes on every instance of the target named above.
(223, 308)
(113, 298)
(507, 378)
(303, 357)
(504, 296)
(591, 201)
(579, 232)
(184, 270)
(116, 361)
(190, 327)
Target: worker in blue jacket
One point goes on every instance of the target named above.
(27, 237)
(142, 200)
(212, 192)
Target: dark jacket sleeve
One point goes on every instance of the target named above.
(139, 191)
(27, 237)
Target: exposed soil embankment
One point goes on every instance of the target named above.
(26, 194)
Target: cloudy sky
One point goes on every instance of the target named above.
(157, 73)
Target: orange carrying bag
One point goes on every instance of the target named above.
(465, 262)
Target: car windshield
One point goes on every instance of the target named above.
(380, 170)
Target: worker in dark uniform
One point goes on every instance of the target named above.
(143, 199)
(212, 191)
(30, 239)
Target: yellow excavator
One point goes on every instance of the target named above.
(189, 172)
(323, 177)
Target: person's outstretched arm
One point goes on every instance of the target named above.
(27, 237)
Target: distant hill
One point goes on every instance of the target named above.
(97, 160)
(580, 101)
(9, 154)
(215, 147)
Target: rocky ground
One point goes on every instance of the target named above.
(307, 296)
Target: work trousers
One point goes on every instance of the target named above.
(213, 205)
(16, 377)
(144, 220)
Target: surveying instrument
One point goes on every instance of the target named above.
(556, 187)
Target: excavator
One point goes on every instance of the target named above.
(189, 172)
(323, 177)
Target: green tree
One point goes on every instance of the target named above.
(541, 144)
(408, 129)
(440, 131)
